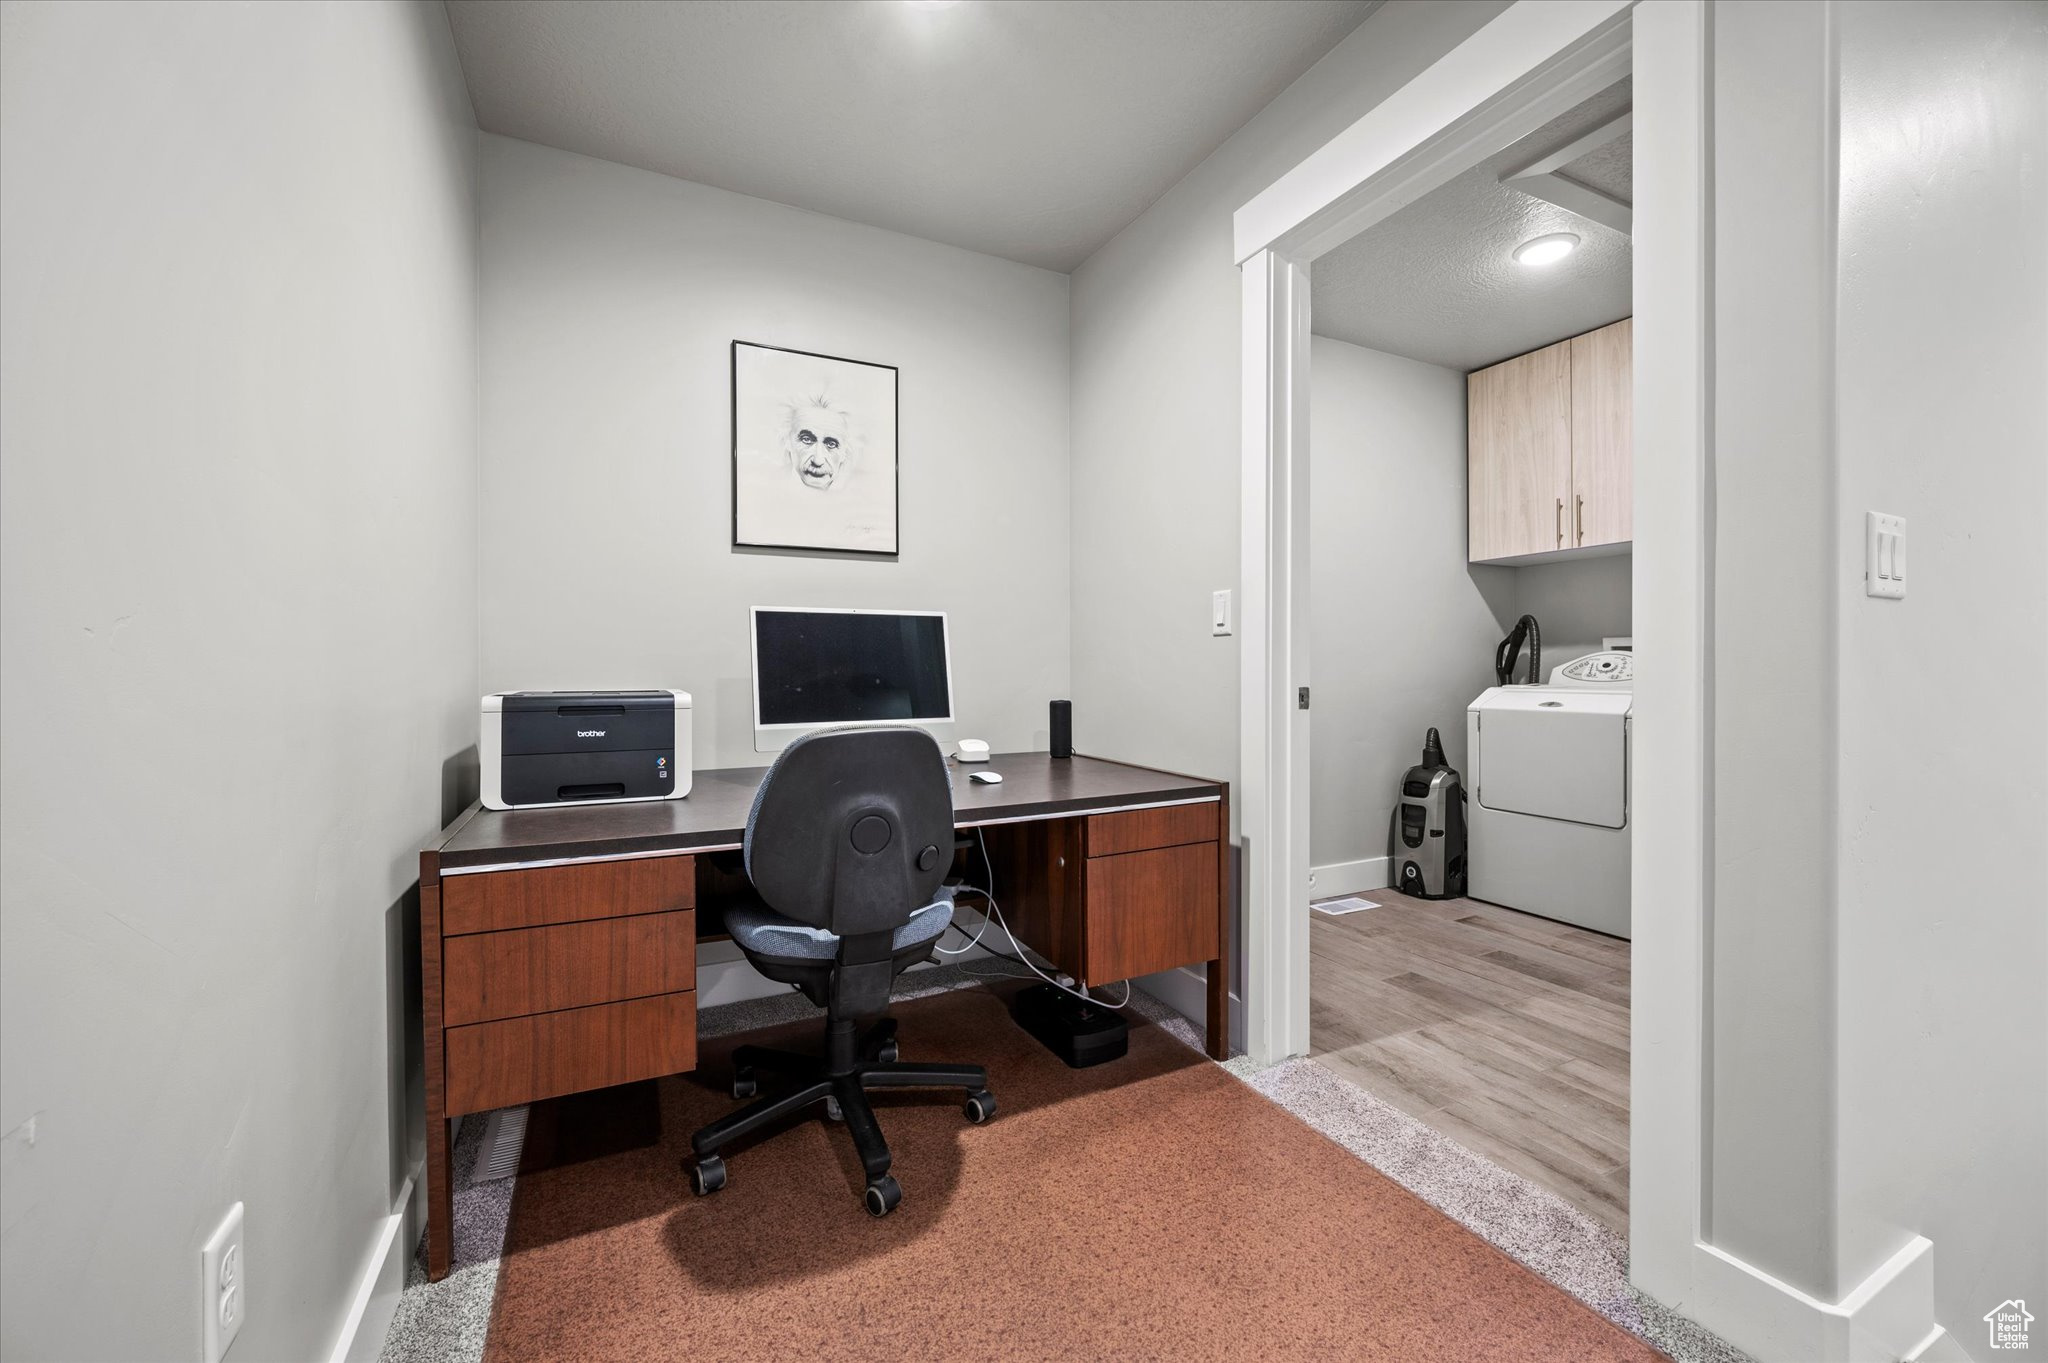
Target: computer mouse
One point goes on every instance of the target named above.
(987, 778)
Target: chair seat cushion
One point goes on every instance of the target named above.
(762, 932)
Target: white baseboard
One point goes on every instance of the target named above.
(1350, 877)
(361, 1339)
(1889, 1314)
(1186, 991)
(1939, 1347)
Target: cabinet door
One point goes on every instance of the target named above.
(1519, 454)
(1150, 911)
(1603, 435)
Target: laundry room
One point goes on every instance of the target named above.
(1469, 578)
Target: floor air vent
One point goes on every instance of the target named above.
(504, 1138)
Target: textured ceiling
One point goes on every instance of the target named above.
(1030, 129)
(1438, 280)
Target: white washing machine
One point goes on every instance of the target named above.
(1549, 769)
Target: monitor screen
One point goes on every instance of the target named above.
(850, 667)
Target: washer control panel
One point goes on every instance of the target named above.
(1609, 668)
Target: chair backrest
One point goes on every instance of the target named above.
(852, 829)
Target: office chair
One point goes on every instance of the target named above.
(850, 836)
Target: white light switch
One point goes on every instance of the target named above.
(1884, 554)
(1219, 612)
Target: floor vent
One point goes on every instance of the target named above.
(1348, 904)
(504, 1138)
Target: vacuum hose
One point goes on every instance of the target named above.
(1504, 656)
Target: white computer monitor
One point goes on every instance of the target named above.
(819, 667)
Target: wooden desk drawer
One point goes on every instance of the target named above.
(494, 900)
(522, 1060)
(489, 975)
(1136, 830)
(1153, 910)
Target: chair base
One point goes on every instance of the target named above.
(853, 1063)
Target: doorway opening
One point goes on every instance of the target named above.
(1530, 67)
(1470, 632)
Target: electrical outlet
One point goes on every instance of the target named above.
(223, 1285)
(1219, 612)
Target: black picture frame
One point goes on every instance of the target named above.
(787, 546)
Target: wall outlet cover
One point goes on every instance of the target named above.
(223, 1291)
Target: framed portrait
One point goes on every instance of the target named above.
(813, 451)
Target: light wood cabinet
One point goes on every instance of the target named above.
(1603, 435)
(1519, 439)
(1550, 447)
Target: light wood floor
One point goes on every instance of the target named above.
(1504, 1031)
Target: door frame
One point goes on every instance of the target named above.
(1533, 62)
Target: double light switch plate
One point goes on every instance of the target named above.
(1884, 554)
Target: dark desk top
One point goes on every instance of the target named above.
(713, 816)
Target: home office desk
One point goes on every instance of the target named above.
(558, 947)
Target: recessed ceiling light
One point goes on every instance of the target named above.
(1547, 250)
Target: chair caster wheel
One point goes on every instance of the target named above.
(744, 1084)
(883, 1195)
(832, 1112)
(980, 1106)
(888, 1052)
(707, 1175)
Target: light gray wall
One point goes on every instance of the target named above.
(237, 587)
(1878, 1032)
(1402, 627)
(1156, 335)
(1578, 602)
(1772, 1023)
(610, 299)
(1942, 402)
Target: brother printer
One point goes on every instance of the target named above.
(584, 747)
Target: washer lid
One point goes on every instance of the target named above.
(1554, 753)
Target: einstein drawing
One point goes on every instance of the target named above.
(813, 451)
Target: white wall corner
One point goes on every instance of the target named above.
(1350, 877)
(1889, 1315)
(375, 1300)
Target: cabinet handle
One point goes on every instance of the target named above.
(1581, 539)
(1558, 520)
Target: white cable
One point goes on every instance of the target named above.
(956, 951)
(1023, 952)
(996, 911)
(1084, 997)
(985, 894)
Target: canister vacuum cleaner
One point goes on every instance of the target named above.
(1426, 843)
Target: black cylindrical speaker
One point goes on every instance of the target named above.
(1063, 728)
